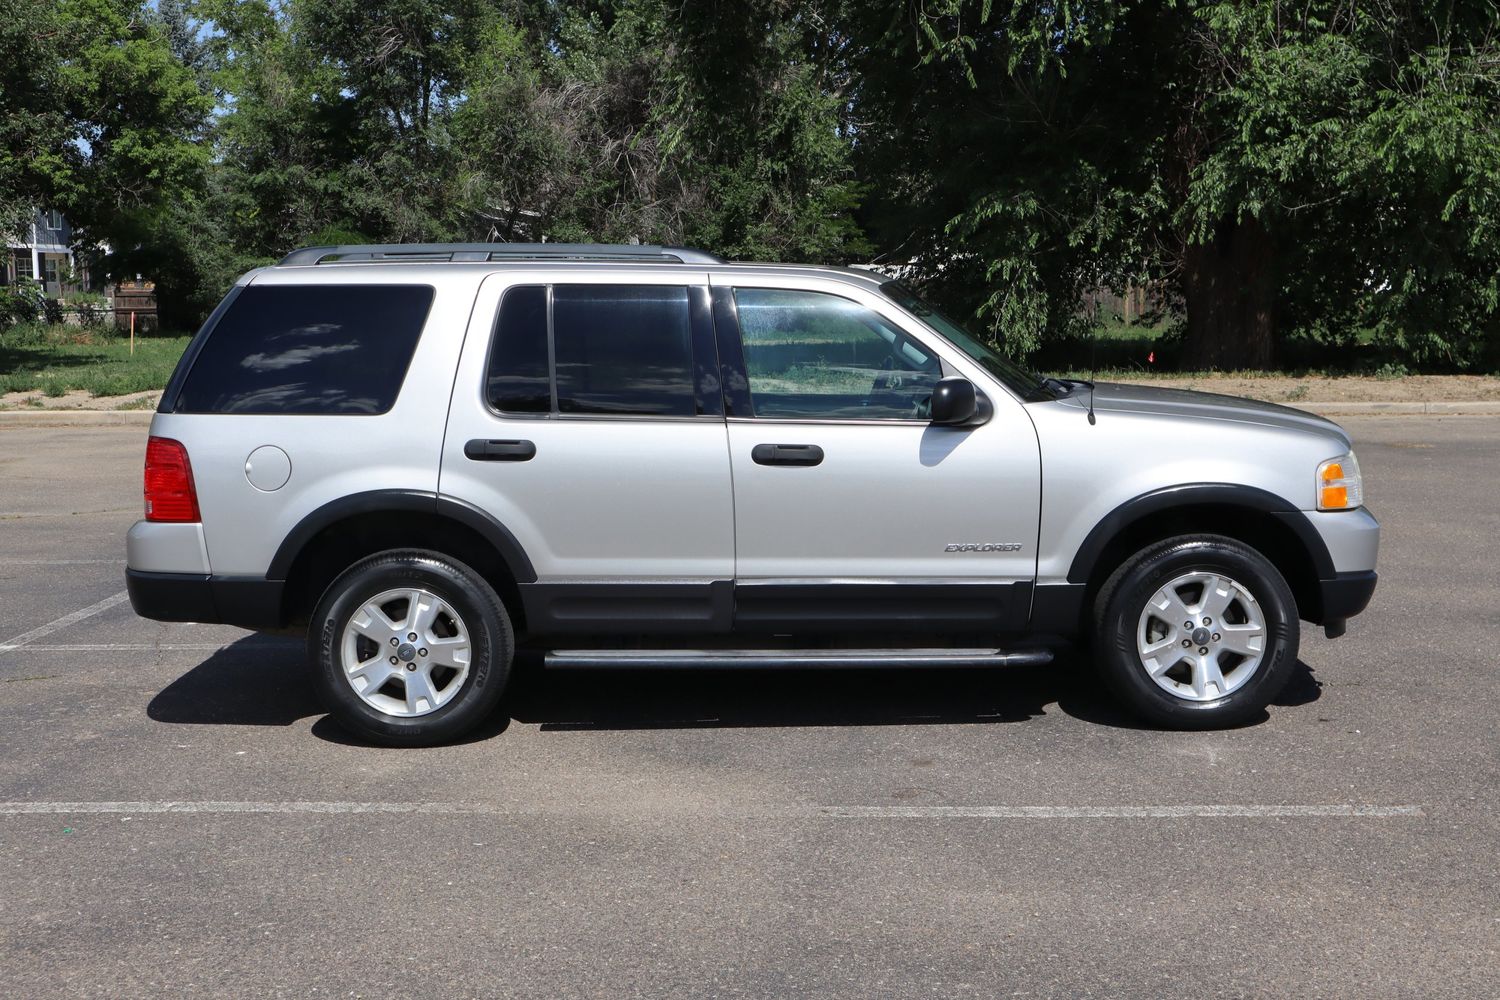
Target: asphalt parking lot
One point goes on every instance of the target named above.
(178, 818)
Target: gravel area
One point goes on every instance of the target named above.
(1345, 389)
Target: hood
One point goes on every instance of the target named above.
(1117, 397)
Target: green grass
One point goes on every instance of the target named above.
(53, 360)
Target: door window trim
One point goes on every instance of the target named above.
(739, 404)
(700, 337)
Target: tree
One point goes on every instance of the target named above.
(32, 116)
(720, 126)
(1290, 170)
(98, 118)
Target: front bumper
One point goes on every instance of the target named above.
(1352, 539)
(212, 600)
(1346, 595)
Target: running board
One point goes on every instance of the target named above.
(789, 659)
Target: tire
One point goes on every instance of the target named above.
(1248, 605)
(410, 692)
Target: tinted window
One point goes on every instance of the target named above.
(814, 355)
(308, 349)
(518, 380)
(623, 349)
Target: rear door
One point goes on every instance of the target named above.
(852, 509)
(587, 420)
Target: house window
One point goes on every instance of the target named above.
(54, 219)
(23, 266)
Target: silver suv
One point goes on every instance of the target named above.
(648, 456)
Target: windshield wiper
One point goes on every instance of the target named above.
(1067, 386)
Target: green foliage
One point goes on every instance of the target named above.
(59, 359)
(19, 304)
(1311, 169)
(1298, 178)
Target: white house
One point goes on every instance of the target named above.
(42, 252)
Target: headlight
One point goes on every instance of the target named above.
(1339, 486)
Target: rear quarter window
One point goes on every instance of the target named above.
(308, 349)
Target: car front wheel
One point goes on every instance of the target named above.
(1196, 632)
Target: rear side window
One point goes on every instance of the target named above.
(623, 349)
(308, 349)
(614, 349)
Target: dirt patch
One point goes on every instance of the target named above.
(1346, 389)
(77, 399)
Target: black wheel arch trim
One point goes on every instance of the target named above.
(382, 501)
(1192, 495)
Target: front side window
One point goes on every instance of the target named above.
(820, 356)
(308, 349)
(605, 349)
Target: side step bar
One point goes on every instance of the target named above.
(789, 659)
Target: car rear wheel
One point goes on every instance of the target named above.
(410, 648)
(1196, 632)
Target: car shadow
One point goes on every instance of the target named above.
(256, 681)
(260, 682)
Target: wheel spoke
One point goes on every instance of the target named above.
(1161, 664)
(1217, 595)
(421, 610)
(449, 652)
(1160, 646)
(375, 670)
(373, 623)
(1169, 607)
(419, 690)
(1206, 674)
(1247, 640)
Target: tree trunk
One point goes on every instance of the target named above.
(1229, 288)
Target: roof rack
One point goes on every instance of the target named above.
(481, 252)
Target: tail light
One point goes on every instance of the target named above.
(170, 495)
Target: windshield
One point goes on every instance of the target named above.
(1018, 380)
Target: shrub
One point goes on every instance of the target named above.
(22, 303)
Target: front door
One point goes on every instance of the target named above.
(852, 510)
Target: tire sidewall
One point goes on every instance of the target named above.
(468, 594)
(1139, 579)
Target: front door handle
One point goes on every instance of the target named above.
(787, 454)
(499, 451)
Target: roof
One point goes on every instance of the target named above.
(569, 256)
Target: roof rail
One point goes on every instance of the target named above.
(456, 252)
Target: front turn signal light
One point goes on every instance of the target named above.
(1339, 486)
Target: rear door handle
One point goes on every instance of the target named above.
(499, 451)
(787, 454)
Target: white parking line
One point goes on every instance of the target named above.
(42, 631)
(1113, 812)
(1351, 811)
(62, 562)
(151, 647)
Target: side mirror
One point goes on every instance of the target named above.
(954, 401)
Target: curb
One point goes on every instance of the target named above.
(142, 418)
